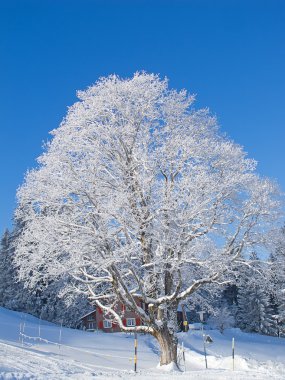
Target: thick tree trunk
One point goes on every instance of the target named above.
(168, 346)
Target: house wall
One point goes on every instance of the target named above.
(100, 317)
(97, 318)
(89, 321)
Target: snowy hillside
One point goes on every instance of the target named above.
(73, 354)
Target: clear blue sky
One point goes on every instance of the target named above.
(230, 53)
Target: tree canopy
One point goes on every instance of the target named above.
(139, 195)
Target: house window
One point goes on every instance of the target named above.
(131, 322)
(91, 326)
(90, 318)
(107, 324)
(125, 308)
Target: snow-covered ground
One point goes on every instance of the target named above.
(84, 355)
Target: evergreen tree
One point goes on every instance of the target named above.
(223, 319)
(46, 299)
(278, 282)
(254, 311)
(4, 266)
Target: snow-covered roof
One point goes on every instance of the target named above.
(195, 326)
(179, 308)
(86, 315)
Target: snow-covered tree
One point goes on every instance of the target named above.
(45, 299)
(139, 196)
(207, 299)
(277, 282)
(5, 270)
(222, 319)
(255, 312)
(12, 293)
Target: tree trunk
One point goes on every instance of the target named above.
(168, 346)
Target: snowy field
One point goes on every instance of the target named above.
(84, 355)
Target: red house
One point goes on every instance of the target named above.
(97, 320)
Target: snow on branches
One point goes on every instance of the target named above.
(138, 195)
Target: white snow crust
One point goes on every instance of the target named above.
(84, 355)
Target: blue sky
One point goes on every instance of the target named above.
(230, 53)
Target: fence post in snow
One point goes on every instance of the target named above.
(233, 352)
(136, 350)
(59, 339)
(20, 333)
(183, 356)
(23, 331)
(40, 326)
(205, 353)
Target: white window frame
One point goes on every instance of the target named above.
(107, 324)
(92, 325)
(131, 322)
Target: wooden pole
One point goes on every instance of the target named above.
(233, 353)
(205, 353)
(20, 334)
(184, 316)
(183, 355)
(23, 331)
(40, 326)
(60, 332)
(136, 351)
